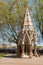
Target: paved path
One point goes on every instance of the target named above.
(10, 60)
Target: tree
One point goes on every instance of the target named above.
(12, 16)
(38, 13)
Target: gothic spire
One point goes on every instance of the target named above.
(27, 21)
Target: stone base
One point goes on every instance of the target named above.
(24, 56)
(35, 54)
(30, 55)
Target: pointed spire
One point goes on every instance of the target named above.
(27, 21)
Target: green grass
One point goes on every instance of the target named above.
(40, 47)
(1, 55)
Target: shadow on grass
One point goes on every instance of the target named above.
(1, 55)
(11, 56)
(15, 56)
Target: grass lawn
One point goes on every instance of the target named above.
(40, 47)
(1, 55)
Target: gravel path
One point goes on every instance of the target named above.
(10, 60)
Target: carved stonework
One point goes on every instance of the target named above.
(27, 36)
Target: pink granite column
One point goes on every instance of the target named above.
(22, 50)
(35, 50)
(30, 53)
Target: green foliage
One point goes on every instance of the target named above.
(12, 15)
(1, 55)
(38, 14)
(41, 1)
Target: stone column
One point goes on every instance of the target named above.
(35, 50)
(26, 49)
(30, 53)
(23, 45)
(35, 44)
(22, 51)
